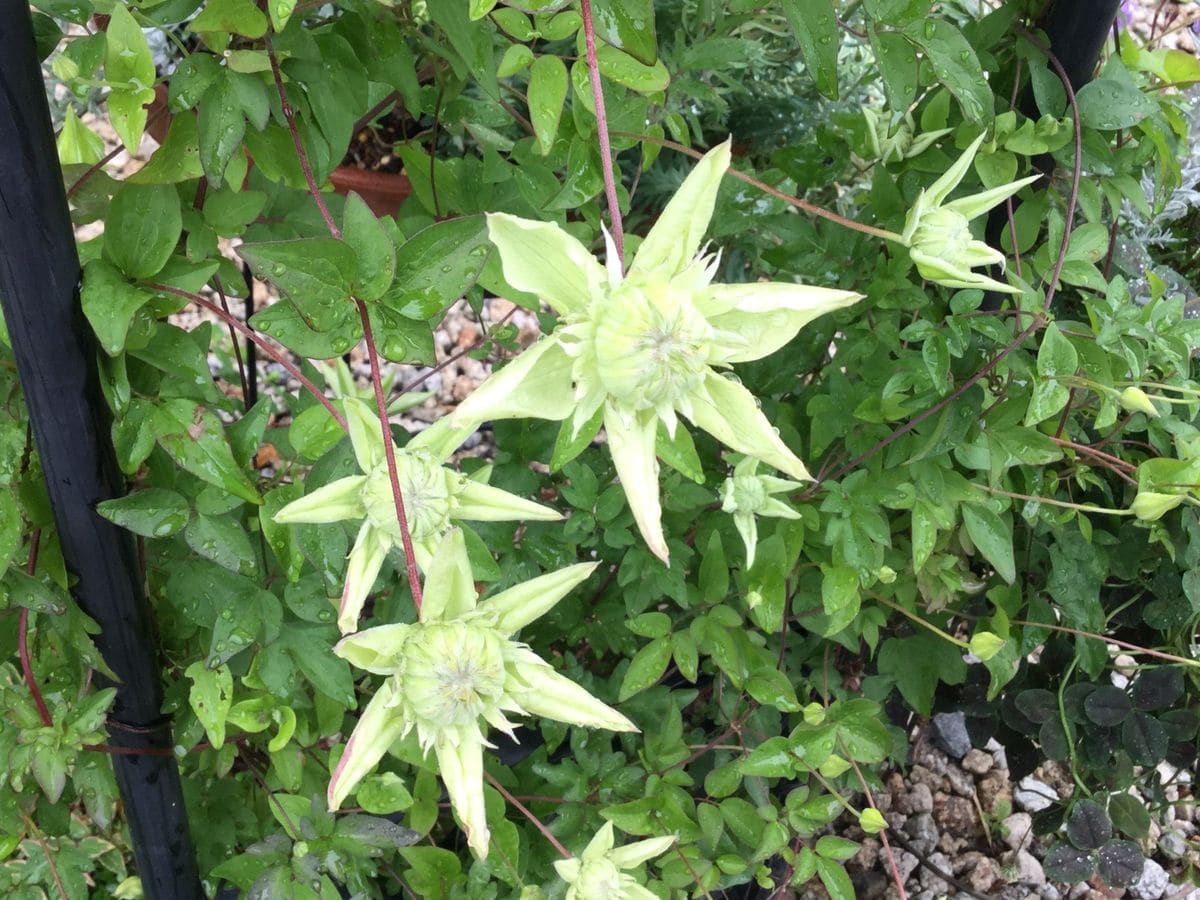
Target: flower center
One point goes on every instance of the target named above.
(749, 493)
(426, 498)
(652, 345)
(599, 879)
(943, 233)
(453, 672)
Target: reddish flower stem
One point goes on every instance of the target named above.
(389, 452)
(414, 581)
(606, 158)
(265, 346)
(537, 823)
(23, 639)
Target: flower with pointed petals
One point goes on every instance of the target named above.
(642, 348)
(746, 494)
(938, 234)
(903, 142)
(597, 875)
(455, 667)
(434, 497)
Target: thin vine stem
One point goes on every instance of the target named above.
(606, 158)
(1124, 645)
(523, 810)
(810, 208)
(250, 334)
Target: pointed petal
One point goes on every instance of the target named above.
(632, 446)
(977, 253)
(462, 773)
(747, 527)
(554, 696)
(543, 259)
(335, 502)
(523, 603)
(938, 191)
(449, 585)
(537, 385)
(676, 236)
(913, 219)
(375, 650)
(730, 414)
(779, 510)
(365, 434)
(601, 843)
(612, 259)
(768, 315)
(641, 851)
(378, 728)
(978, 204)
(630, 890)
(937, 270)
(366, 558)
(484, 503)
(567, 869)
(439, 440)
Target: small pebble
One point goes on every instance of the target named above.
(1152, 884)
(1033, 795)
(978, 762)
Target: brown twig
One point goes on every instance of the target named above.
(521, 808)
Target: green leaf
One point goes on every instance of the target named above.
(814, 23)
(839, 596)
(1057, 357)
(646, 667)
(372, 246)
(714, 571)
(547, 93)
(178, 159)
(129, 68)
(281, 11)
(992, 536)
(627, 25)
(773, 758)
(1144, 739)
(154, 512)
(401, 339)
(223, 540)
(679, 452)
(220, 127)
(628, 72)
(233, 16)
(316, 274)
(383, 793)
(143, 226)
(308, 645)
(566, 447)
(918, 664)
(437, 265)
(772, 688)
(10, 527)
(954, 64)
(195, 439)
(282, 322)
(833, 847)
(515, 58)
(1129, 815)
(211, 697)
(834, 877)
(898, 64)
(1088, 826)
(109, 302)
(1110, 105)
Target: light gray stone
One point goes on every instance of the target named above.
(1018, 831)
(1172, 845)
(1033, 795)
(1152, 884)
(978, 762)
(1027, 870)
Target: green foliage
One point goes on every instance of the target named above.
(979, 467)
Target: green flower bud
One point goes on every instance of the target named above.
(1150, 506)
(1134, 399)
(945, 234)
(985, 645)
(872, 821)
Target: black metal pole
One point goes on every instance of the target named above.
(57, 364)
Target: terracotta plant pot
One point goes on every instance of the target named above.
(382, 191)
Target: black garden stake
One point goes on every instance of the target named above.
(56, 359)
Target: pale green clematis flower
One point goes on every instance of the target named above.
(645, 347)
(903, 143)
(434, 497)
(454, 667)
(746, 495)
(938, 234)
(597, 875)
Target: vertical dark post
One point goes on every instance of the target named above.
(56, 360)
